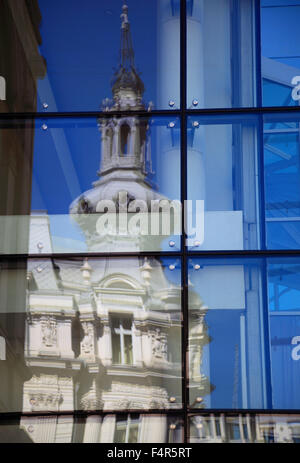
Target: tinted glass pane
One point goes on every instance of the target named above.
(282, 181)
(223, 183)
(280, 52)
(79, 58)
(221, 53)
(83, 193)
(226, 339)
(56, 334)
(245, 428)
(284, 313)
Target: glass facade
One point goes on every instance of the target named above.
(149, 221)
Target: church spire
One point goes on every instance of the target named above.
(126, 77)
(126, 49)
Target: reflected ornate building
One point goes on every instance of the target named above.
(105, 334)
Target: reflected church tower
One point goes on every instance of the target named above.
(125, 163)
(104, 334)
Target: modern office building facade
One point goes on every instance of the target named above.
(150, 240)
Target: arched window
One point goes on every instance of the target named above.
(125, 132)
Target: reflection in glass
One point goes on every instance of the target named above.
(282, 184)
(70, 70)
(280, 52)
(133, 206)
(226, 337)
(221, 51)
(222, 174)
(91, 334)
(245, 428)
(284, 316)
(125, 428)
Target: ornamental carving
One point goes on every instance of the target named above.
(45, 401)
(87, 343)
(49, 332)
(159, 344)
(90, 401)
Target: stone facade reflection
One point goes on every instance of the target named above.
(105, 334)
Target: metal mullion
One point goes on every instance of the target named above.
(91, 114)
(177, 412)
(189, 253)
(257, 13)
(154, 113)
(264, 276)
(183, 165)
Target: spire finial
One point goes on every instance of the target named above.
(127, 53)
(124, 17)
(127, 76)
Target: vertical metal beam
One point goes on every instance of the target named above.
(184, 266)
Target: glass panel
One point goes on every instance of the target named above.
(282, 180)
(57, 334)
(221, 53)
(87, 58)
(246, 428)
(92, 429)
(84, 196)
(280, 52)
(223, 183)
(226, 339)
(284, 313)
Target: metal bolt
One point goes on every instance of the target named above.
(45, 105)
(39, 269)
(172, 399)
(30, 429)
(172, 426)
(171, 103)
(196, 243)
(195, 102)
(44, 127)
(171, 244)
(197, 267)
(171, 125)
(171, 267)
(196, 124)
(40, 245)
(199, 400)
